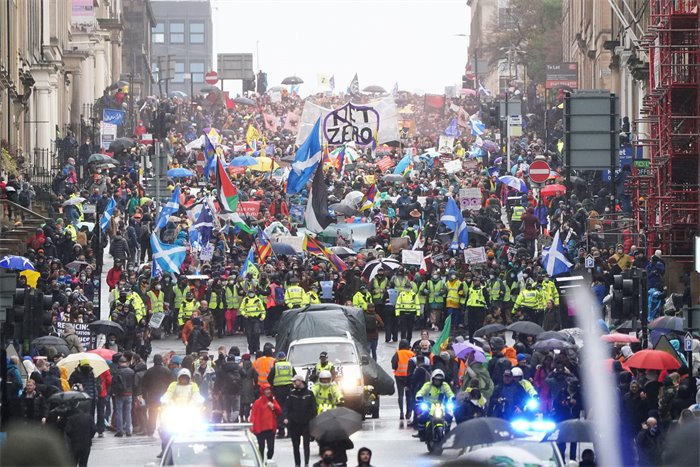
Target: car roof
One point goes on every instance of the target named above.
(208, 436)
(322, 340)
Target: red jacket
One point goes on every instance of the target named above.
(262, 417)
(113, 276)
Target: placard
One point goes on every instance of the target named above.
(398, 243)
(412, 257)
(87, 338)
(156, 320)
(453, 166)
(351, 124)
(475, 255)
(446, 144)
(296, 213)
(207, 252)
(470, 198)
(249, 208)
(108, 133)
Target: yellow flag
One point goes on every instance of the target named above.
(252, 135)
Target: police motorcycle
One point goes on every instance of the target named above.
(182, 409)
(438, 425)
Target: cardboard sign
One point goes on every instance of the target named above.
(87, 338)
(453, 167)
(412, 257)
(446, 144)
(249, 208)
(108, 133)
(475, 255)
(470, 198)
(207, 252)
(398, 243)
(156, 320)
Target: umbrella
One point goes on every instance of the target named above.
(526, 327)
(104, 353)
(374, 89)
(490, 146)
(68, 396)
(616, 337)
(489, 329)
(373, 266)
(275, 89)
(671, 323)
(344, 209)
(243, 161)
(208, 88)
(264, 164)
(99, 158)
(553, 174)
(649, 359)
(551, 190)
(20, 263)
(179, 172)
(292, 80)
(572, 431)
(336, 424)
(73, 201)
(463, 349)
(244, 101)
(283, 249)
(47, 341)
(625, 326)
(76, 264)
(393, 178)
(342, 251)
(119, 144)
(228, 132)
(118, 84)
(474, 230)
(104, 326)
(553, 335)
(90, 225)
(71, 362)
(552, 344)
(514, 182)
(178, 94)
(483, 430)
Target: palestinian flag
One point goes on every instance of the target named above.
(226, 191)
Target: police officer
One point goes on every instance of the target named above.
(294, 294)
(407, 309)
(323, 365)
(496, 289)
(362, 298)
(434, 391)
(280, 378)
(477, 301)
(434, 292)
(311, 297)
(253, 310)
(217, 309)
(327, 393)
(179, 293)
(528, 300)
(188, 305)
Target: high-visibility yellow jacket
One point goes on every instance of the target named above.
(327, 396)
(378, 288)
(311, 297)
(156, 299)
(361, 300)
(252, 307)
(455, 292)
(294, 296)
(407, 302)
(186, 309)
(433, 292)
(476, 297)
(550, 292)
(528, 298)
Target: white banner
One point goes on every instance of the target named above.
(453, 166)
(470, 198)
(108, 133)
(475, 255)
(412, 257)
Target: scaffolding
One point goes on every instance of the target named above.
(667, 198)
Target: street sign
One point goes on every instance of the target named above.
(688, 342)
(211, 77)
(591, 127)
(589, 262)
(539, 171)
(235, 66)
(562, 74)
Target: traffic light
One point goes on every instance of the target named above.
(248, 85)
(262, 82)
(625, 299)
(465, 82)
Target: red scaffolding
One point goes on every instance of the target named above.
(667, 202)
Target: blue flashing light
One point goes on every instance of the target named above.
(451, 406)
(532, 404)
(424, 406)
(543, 426)
(520, 424)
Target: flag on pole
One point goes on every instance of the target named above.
(316, 213)
(478, 127)
(168, 209)
(252, 135)
(311, 246)
(238, 222)
(354, 88)
(168, 258)
(420, 241)
(306, 160)
(107, 215)
(226, 190)
(331, 83)
(452, 129)
(368, 198)
(444, 337)
(264, 246)
(337, 263)
(212, 140)
(553, 258)
(484, 90)
(249, 265)
(453, 219)
(404, 165)
(204, 225)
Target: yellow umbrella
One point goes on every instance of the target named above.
(32, 277)
(263, 165)
(71, 362)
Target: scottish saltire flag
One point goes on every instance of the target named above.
(107, 215)
(331, 82)
(403, 164)
(168, 258)
(483, 90)
(212, 140)
(307, 158)
(452, 129)
(204, 224)
(478, 127)
(553, 258)
(249, 264)
(169, 208)
(452, 218)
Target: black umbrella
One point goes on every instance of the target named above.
(283, 249)
(344, 209)
(474, 230)
(374, 89)
(68, 396)
(106, 327)
(118, 84)
(244, 101)
(48, 341)
(209, 88)
(526, 327)
(99, 158)
(483, 430)
(572, 431)
(119, 144)
(671, 323)
(552, 344)
(335, 425)
(292, 80)
(489, 329)
(554, 335)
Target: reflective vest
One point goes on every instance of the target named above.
(496, 289)
(361, 300)
(549, 289)
(509, 292)
(528, 298)
(283, 373)
(517, 215)
(327, 395)
(252, 308)
(400, 284)
(378, 288)
(73, 232)
(233, 300)
(156, 300)
(263, 365)
(216, 302)
(311, 298)
(186, 309)
(454, 293)
(476, 297)
(179, 296)
(139, 306)
(407, 302)
(294, 296)
(434, 291)
(528, 387)
(403, 357)
(328, 366)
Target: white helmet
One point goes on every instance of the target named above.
(184, 372)
(437, 375)
(325, 374)
(517, 372)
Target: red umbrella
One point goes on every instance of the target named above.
(652, 360)
(619, 337)
(551, 190)
(104, 353)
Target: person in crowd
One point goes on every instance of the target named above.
(263, 416)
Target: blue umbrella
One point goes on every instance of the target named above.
(19, 263)
(514, 182)
(243, 161)
(493, 171)
(283, 249)
(179, 172)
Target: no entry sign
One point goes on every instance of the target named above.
(539, 171)
(211, 77)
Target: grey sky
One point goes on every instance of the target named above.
(410, 42)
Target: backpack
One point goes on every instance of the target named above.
(118, 385)
(371, 323)
(145, 233)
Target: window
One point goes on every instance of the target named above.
(177, 33)
(154, 71)
(197, 71)
(179, 72)
(158, 34)
(196, 33)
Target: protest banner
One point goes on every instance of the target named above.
(470, 198)
(351, 124)
(453, 166)
(475, 255)
(108, 133)
(446, 144)
(398, 243)
(249, 208)
(207, 252)
(87, 338)
(412, 257)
